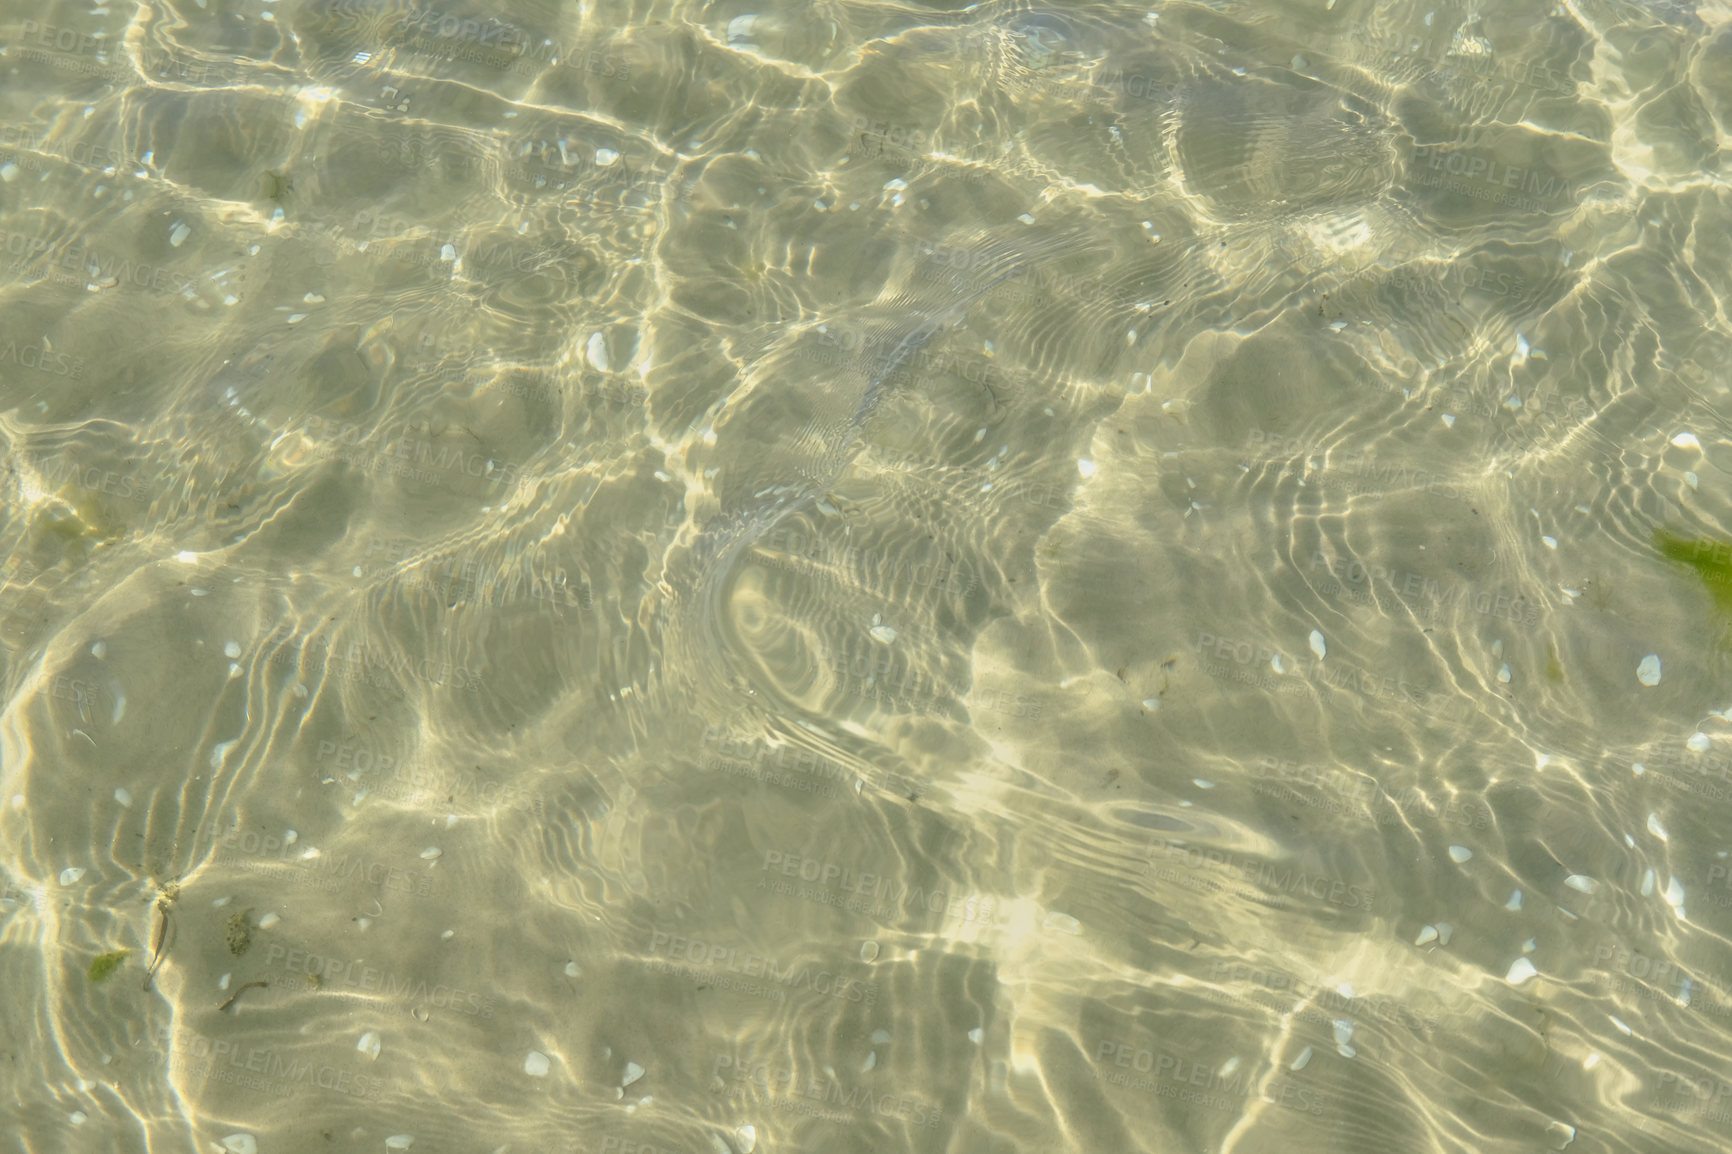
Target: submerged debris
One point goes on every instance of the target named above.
(106, 964)
(249, 986)
(239, 934)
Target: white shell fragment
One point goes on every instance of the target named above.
(1459, 853)
(241, 1144)
(1520, 971)
(536, 1064)
(1648, 672)
(1318, 645)
(369, 1044)
(633, 1072)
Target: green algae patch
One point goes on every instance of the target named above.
(238, 934)
(1554, 667)
(106, 964)
(1711, 559)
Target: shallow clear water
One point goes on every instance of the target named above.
(840, 578)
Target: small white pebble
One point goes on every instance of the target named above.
(1582, 883)
(1061, 923)
(1318, 645)
(241, 1144)
(976, 1034)
(871, 1060)
(268, 921)
(71, 874)
(1619, 1022)
(1648, 672)
(1515, 901)
(430, 853)
(122, 796)
(1655, 828)
(1675, 895)
(536, 1064)
(177, 236)
(1303, 1060)
(1085, 466)
(1699, 742)
(880, 1037)
(883, 633)
(1520, 971)
(223, 982)
(1530, 946)
(369, 1044)
(1427, 934)
(231, 649)
(1444, 931)
(1460, 853)
(99, 650)
(1344, 1035)
(79, 1117)
(1503, 673)
(1550, 542)
(748, 1136)
(1687, 441)
(633, 1072)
